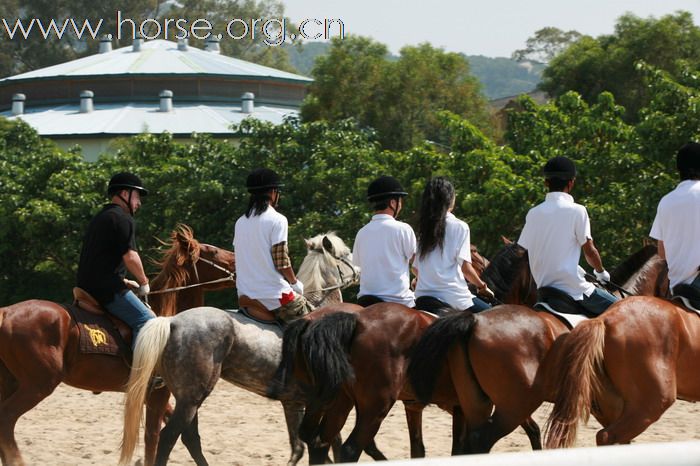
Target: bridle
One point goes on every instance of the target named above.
(231, 276)
(343, 280)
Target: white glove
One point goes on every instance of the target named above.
(298, 287)
(602, 277)
(486, 292)
(143, 290)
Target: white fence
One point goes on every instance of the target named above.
(647, 454)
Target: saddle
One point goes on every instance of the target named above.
(255, 310)
(561, 305)
(433, 305)
(688, 295)
(96, 325)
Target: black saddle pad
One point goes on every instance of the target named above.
(691, 293)
(98, 335)
(433, 305)
(368, 299)
(560, 301)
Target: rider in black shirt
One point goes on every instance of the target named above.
(109, 251)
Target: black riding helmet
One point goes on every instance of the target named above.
(262, 179)
(559, 167)
(125, 180)
(385, 187)
(688, 160)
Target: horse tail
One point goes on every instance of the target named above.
(325, 346)
(149, 348)
(431, 351)
(578, 382)
(290, 343)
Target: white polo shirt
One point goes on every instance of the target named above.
(382, 250)
(256, 275)
(553, 234)
(440, 271)
(677, 224)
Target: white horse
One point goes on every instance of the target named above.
(195, 348)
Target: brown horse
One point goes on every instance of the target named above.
(504, 369)
(39, 342)
(627, 367)
(379, 341)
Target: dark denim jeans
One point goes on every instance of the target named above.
(129, 308)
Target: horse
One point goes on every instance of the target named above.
(373, 384)
(193, 349)
(39, 341)
(379, 341)
(507, 358)
(634, 361)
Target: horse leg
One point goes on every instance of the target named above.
(293, 415)
(370, 414)
(156, 407)
(184, 414)
(333, 421)
(193, 442)
(459, 431)
(414, 420)
(532, 429)
(373, 451)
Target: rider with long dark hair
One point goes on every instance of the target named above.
(443, 261)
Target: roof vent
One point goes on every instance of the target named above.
(212, 45)
(248, 102)
(86, 105)
(166, 100)
(138, 41)
(182, 44)
(106, 43)
(18, 104)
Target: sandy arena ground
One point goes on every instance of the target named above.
(74, 427)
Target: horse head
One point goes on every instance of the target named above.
(189, 263)
(327, 269)
(508, 275)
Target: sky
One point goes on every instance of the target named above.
(493, 28)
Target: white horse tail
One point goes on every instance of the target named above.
(149, 348)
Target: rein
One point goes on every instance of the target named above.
(231, 277)
(617, 287)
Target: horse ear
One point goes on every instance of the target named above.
(328, 246)
(309, 244)
(506, 241)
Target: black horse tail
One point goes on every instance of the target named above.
(429, 354)
(325, 347)
(290, 343)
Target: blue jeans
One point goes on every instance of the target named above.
(478, 305)
(598, 301)
(129, 308)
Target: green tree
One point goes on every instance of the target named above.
(547, 43)
(607, 63)
(399, 98)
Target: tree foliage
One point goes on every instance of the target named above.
(398, 98)
(607, 63)
(547, 43)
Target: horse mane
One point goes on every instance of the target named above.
(628, 272)
(183, 247)
(504, 267)
(311, 269)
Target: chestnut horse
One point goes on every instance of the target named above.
(627, 367)
(503, 368)
(379, 341)
(39, 342)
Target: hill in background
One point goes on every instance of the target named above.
(500, 77)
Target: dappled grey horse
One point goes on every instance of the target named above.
(195, 348)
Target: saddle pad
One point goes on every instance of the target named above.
(571, 320)
(687, 304)
(243, 312)
(98, 335)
